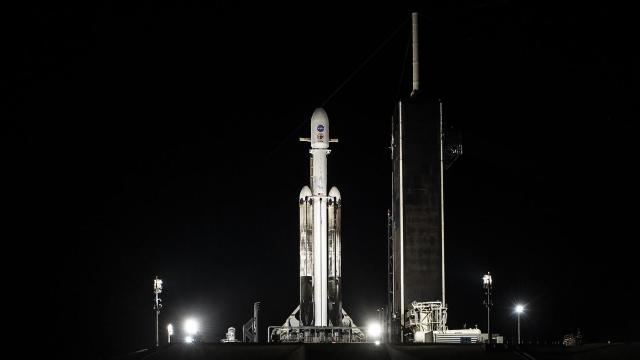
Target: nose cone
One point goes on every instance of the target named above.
(305, 193)
(319, 129)
(334, 192)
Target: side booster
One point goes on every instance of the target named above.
(320, 253)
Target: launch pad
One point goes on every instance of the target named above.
(308, 351)
(417, 308)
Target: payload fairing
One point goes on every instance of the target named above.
(320, 254)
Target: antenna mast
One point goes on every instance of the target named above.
(414, 46)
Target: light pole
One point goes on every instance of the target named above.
(157, 289)
(519, 310)
(169, 333)
(487, 283)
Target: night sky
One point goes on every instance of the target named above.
(162, 139)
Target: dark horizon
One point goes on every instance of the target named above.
(163, 140)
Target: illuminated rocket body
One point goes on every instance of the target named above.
(320, 254)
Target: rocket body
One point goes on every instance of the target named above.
(320, 253)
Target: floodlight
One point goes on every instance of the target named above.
(191, 326)
(487, 280)
(374, 330)
(157, 285)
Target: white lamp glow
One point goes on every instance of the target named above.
(191, 327)
(374, 330)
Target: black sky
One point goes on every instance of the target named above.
(162, 139)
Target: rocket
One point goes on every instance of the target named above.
(320, 251)
(320, 254)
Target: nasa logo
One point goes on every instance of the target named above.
(320, 128)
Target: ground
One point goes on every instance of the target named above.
(385, 351)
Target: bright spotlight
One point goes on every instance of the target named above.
(487, 280)
(157, 285)
(188, 339)
(191, 327)
(519, 309)
(169, 333)
(377, 342)
(374, 330)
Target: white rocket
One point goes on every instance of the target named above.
(320, 258)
